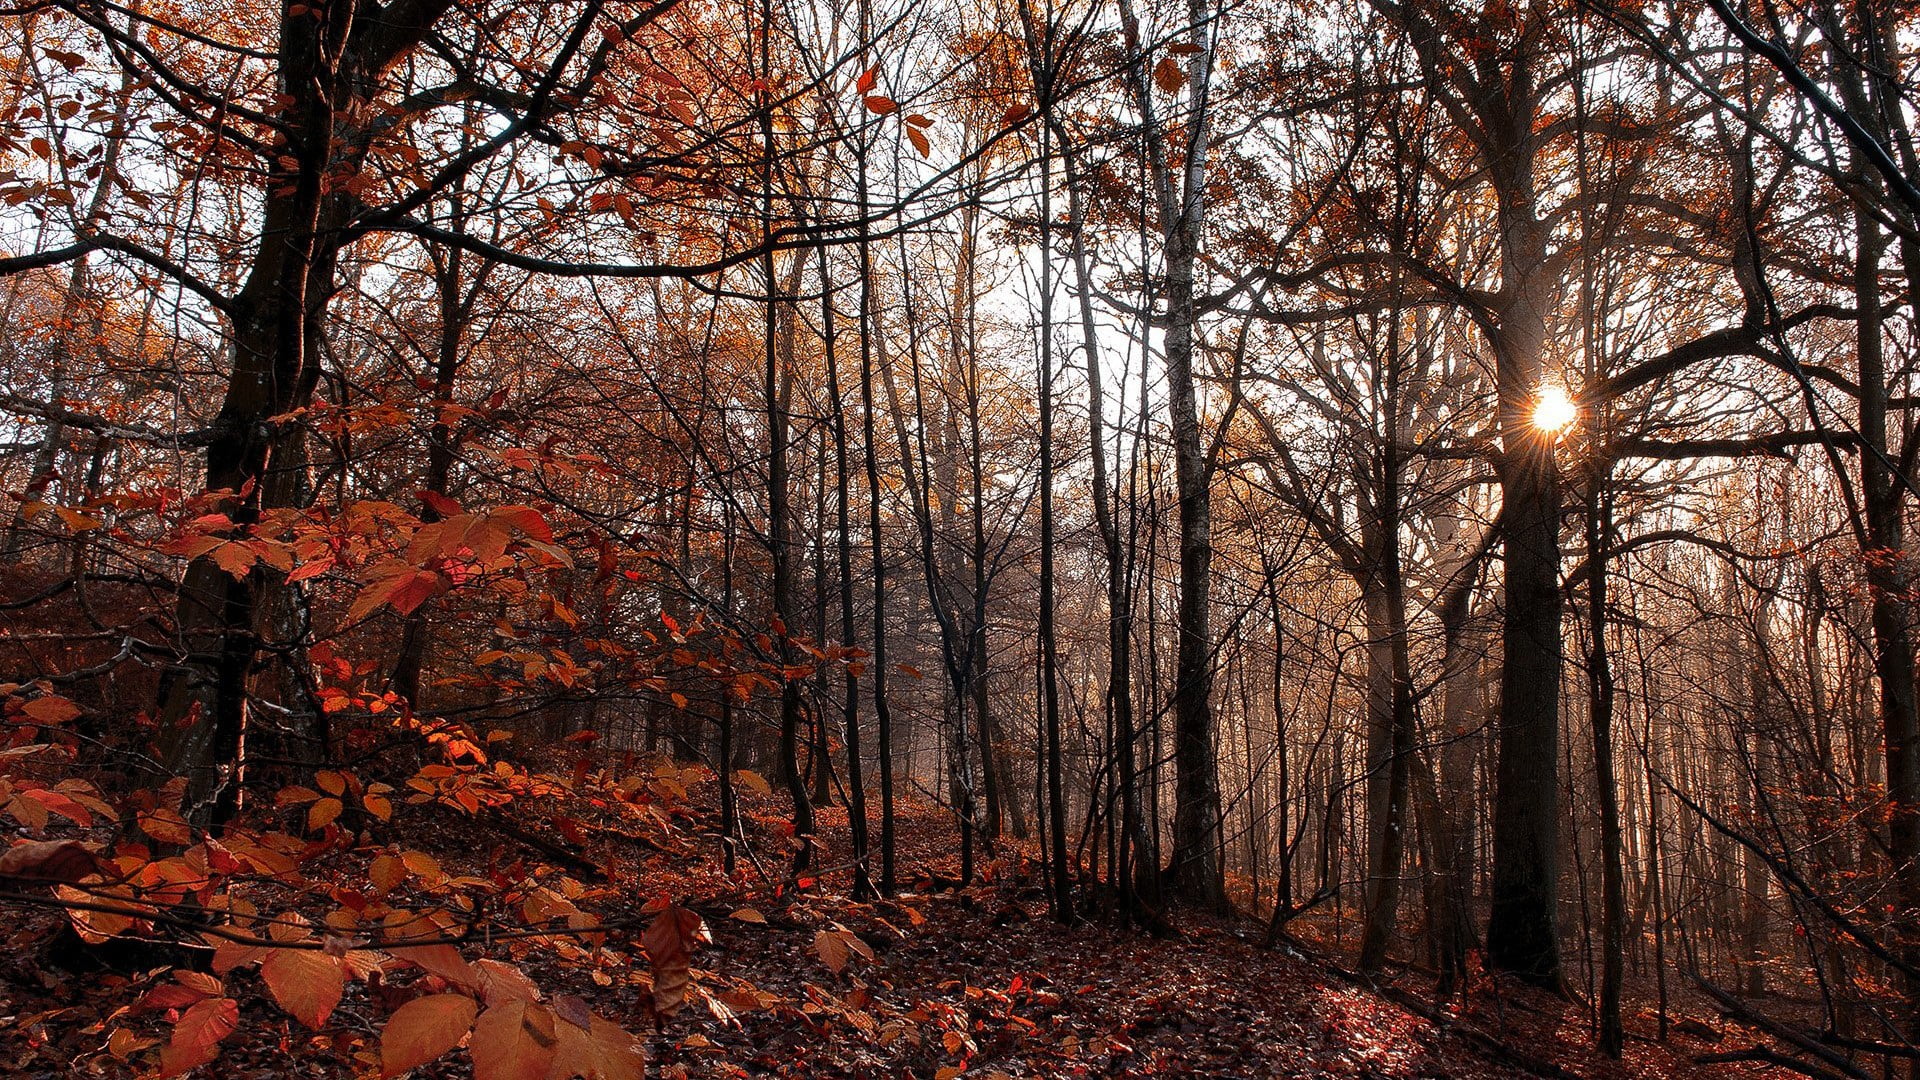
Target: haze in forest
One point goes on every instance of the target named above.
(1118, 537)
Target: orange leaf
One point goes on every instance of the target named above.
(598, 1050)
(424, 865)
(322, 813)
(58, 803)
(311, 570)
(440, 503)
(306, 983)
(867, 80)
(386, 872)
(77, 521)
(442, 960)
(513, 1041)
(501, 983)
(96, 926)
(423, 1029)
(232, 954)
(919, 141)
(50, 709)
(167, 826)
(880, 104)
(235, 557)
(199, 982)
(196, 1038)
(170, 996)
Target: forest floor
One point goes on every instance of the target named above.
(976, 982)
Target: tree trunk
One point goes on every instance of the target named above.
(1522, 934)
(274, 327)
(1390, 731)
(1890, 577)
(1600, 698)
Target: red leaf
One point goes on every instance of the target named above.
(440, 504)
(400, 585)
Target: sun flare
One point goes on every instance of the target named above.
(1554, 410)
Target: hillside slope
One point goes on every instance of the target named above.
(796, 979)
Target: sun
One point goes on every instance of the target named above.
(1553, 410)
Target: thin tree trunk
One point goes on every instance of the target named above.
(1600, 698)
(1060, 886)
(1119, 700)
(856, 783)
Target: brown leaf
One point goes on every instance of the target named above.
(831, 947)
(1168, 75)
(669, 941)
(573, 1009)
(835, 945)
(48, 860)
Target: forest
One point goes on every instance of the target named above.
(961, 538)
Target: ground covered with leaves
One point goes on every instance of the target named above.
(584, 924)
